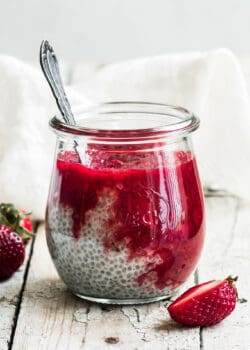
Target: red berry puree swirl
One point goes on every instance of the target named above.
(155, 210)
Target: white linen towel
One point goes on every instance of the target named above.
(209, 84)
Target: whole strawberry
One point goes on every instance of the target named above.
(12, 251)
(17, 219)
(205, 304)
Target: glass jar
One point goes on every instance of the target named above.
(125, 213)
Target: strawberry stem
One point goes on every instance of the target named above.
(232, 281)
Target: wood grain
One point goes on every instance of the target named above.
(51, 318)
(10, 298)
(227, 251)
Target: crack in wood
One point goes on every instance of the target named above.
(138, 330)
(20, 296)
(197, 281)
(137, 314)
(201, 339)
(147, 322)
(88, 309)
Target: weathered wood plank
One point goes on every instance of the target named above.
(51, 318)
(227, 252)
(10, 294)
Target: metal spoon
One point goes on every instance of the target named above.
(50, 68)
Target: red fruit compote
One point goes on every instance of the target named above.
(125, 215)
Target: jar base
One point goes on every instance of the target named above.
(126, 301)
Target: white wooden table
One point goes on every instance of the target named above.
(38, 312)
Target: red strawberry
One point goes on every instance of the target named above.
(18, 220)
(205, 304)
(25, 221)
(12, 251)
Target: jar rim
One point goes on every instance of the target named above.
(181, 121)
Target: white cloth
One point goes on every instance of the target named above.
(210, 84)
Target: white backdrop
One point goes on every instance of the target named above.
(108, 30)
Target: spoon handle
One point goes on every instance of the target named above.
(50, 68)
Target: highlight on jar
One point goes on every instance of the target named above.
(125, 216)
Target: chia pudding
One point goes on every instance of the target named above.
(125, 224)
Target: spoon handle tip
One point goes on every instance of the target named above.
(50, 68)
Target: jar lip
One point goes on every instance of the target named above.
(185, 121)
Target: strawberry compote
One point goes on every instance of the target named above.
(126, 223)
